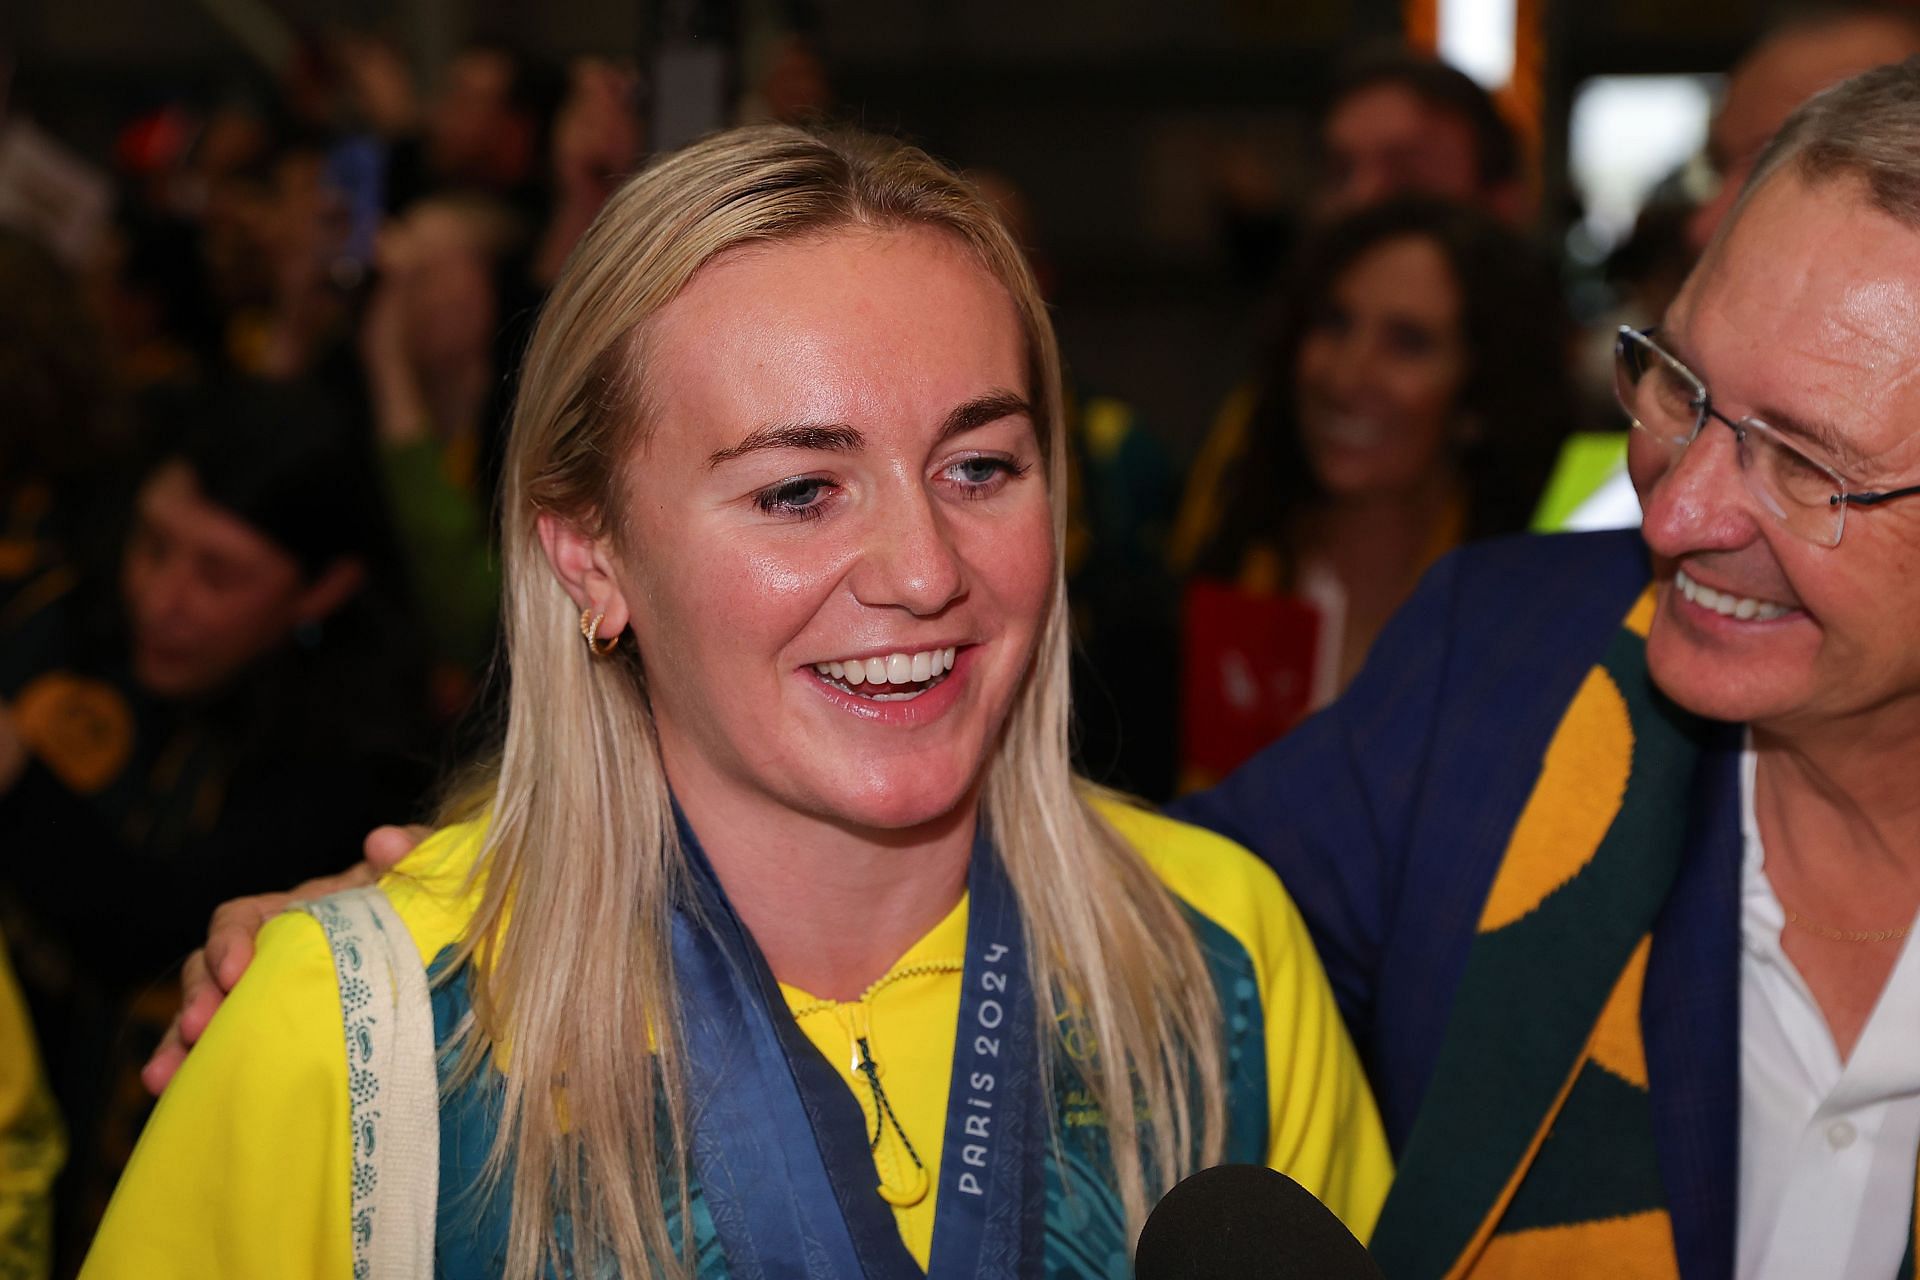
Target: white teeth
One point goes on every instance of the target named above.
(1726, 604)
(894, 668)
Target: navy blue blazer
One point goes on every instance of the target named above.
(1387, 814)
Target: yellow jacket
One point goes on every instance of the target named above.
(243, 1169)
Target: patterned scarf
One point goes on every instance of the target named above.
(1534, 1152)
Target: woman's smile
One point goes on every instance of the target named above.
(912, 701)
(890, 677)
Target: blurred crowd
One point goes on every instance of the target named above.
(245, 480)
(250, 433)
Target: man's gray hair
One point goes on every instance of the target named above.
(1866, 127)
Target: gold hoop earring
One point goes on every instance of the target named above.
(590, 630)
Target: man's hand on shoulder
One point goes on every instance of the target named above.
(211, 972)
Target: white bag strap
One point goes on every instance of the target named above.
(393, 1087)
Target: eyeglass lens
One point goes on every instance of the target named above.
(1666, 400)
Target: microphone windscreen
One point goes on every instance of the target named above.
(1247, 1221)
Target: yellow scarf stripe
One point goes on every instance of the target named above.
(1617, 1043)
(1637, 1245)
(1582, 783)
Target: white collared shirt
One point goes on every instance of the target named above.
(1827, 1148)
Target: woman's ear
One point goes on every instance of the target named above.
(586, 565)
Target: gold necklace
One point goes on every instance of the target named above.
(1846, 935)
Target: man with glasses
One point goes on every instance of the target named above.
(1613, 851)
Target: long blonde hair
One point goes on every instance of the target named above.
(580, 848)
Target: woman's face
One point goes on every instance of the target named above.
(1381, 370)
(838, 552)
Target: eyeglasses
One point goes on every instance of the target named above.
(1670, 403)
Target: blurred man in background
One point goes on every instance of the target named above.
(1393, 122)
(1796, 60)
(1403, 124)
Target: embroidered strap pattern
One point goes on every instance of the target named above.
(392, 1088)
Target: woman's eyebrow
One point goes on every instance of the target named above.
(981, 410)
(829, 437)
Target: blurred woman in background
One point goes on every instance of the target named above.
(1416, 395)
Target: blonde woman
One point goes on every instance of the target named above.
(780, 938)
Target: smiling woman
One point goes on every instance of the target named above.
(1414, 397)
(781, 885)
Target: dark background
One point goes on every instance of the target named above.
(1112, 115)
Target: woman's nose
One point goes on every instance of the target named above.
(909, 560)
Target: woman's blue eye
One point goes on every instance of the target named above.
(793, 497)
(983, 474)
(980, 470)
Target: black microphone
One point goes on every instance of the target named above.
(1245, 1220)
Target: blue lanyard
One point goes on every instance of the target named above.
(780, 1144)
